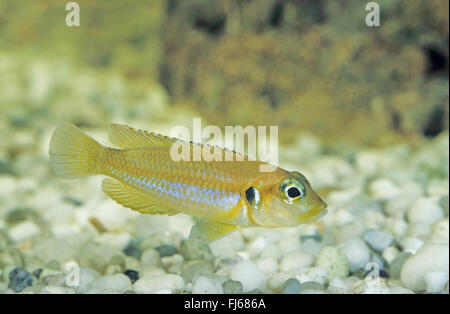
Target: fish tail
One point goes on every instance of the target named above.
(72, 153)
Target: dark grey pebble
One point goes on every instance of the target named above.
(5, 169)
(37, 273)
(397, 264)
(232, 287)
(315, 237)
(195, 249)
(19, 279)
(228, 261)
(291, 286)
(19, 120)
(311, 285)
(132, 249)
(19, 214)
(444, 203)
(166, 250)
(132, 274)
(73, 200)
(254, 291)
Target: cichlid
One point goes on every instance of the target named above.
(222, 195)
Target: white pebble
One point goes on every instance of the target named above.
(55, 249)
(181, 224)
(419, 230)
(276, 281)
(118, 240)
(378, 240)
(352, 282)
(87, 278)
(376, 289)
(430, 258)
(118, 283)
(312, 246)
(357, 253)
(296, 261)
(409, 192)
(441, 232)
(152, 271)
(316, 274)
(9, 185)
(256, 246)
(173, 264)
(400, 290)
(382, 189)
(23, 231)
(312, 291)
(243, 255)
(334, 261)
(390, 253)
(271, 250)
(411, 244)
(150, 257)
(425, 210)
(154, 283)
(398, 226)
(132, 263)
(337, 285)
(289, 244)
(368, 162)
(56, 290)
(438, 187)
(228, 245)
(344, 196)
(435, 281)
(327, 171)
(268, 265)
(249, 275)
(343, 217)
(374, 219)
(206, 285)
(352, 230)
(271, 235)
(164, 291)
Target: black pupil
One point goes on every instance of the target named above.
(250, 195)
(293, 192)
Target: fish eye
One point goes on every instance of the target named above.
(291, 190)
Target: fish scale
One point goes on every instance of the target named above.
(175, 185)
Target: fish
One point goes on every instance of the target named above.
(222, 195)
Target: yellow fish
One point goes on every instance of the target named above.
(223, 195)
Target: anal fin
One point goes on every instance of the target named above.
(134, 199)
(207, 231)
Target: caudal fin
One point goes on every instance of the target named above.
(72, 153)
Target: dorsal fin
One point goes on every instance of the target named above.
(125, 136)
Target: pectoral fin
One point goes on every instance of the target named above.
(207, 231)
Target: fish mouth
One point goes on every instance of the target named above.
(317, 213)
(321, 213)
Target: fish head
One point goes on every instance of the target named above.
(287, 202)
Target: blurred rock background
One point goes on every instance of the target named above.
(306, 66)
